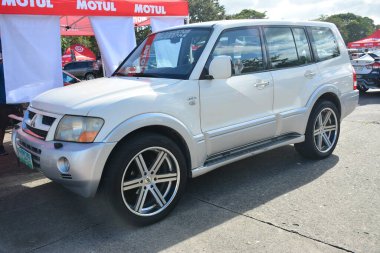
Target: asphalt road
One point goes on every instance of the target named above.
(273, 202)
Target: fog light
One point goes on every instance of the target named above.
(63, 165)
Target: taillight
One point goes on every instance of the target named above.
(376, 65)
(355, 87)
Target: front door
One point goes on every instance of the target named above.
(238, 110)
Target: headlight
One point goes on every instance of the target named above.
(78, 129)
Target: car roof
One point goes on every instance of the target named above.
(223, 24)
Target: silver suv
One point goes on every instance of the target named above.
(187, 101)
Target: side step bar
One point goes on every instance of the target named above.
(240, 153)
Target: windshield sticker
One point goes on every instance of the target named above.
(145, 53)
(173, 34)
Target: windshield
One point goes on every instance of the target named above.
(169, 54)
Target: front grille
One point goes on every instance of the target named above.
(46, 120)
(31, 114)
(40, 133)
(37, 124)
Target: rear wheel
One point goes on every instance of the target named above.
(90, 76)
(322, 132)
(146, 178)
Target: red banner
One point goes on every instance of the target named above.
(95, 7)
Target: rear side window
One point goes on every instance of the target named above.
(67, 66)
(281, 47)
(324, 43)
(244, 48)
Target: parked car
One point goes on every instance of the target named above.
(69, 79)
(87, 70)
(215, 93)
(367, 69)
(354, 56)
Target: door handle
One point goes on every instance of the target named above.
(309, 74)
(261, 84)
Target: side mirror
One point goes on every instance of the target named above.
(220, 67)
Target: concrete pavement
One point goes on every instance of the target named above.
(273, 202)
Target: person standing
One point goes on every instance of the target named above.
(5, 110)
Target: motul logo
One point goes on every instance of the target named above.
(28, 3)
(95, 5)
(149, 9)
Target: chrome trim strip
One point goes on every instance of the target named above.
(199, 137)
(240, 126)
(205, 169)
(293, 112)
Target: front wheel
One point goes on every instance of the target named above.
(322, 132)
(145, 178)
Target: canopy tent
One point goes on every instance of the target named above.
(372, 41)
(31, 29)
(81, 25)
(77, 52)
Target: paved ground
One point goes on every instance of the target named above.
(274, 202)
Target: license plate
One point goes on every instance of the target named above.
(358, 68)
(358, 76)
(25, 157)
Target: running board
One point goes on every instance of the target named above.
(233, 155)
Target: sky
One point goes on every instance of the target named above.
(306, 9)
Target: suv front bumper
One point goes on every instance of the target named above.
(86, 160)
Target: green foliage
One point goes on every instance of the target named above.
(205, 10)
(248, 14)
(142, 33)
(87, 41)
(351, 26)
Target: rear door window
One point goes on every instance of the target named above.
(281, 47)
(303, 49)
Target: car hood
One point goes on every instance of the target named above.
(81, 98)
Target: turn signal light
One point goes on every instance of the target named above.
(87, 136)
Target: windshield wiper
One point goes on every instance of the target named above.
(143, 75)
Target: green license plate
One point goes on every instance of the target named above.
(25, 157)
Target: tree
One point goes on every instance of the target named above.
(248, 14)
(205, 10)
(351, 26)
(142, 33)
(87, 41)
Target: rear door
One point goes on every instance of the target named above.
(238, 110)
(294, 72)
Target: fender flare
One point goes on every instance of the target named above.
(157, 119)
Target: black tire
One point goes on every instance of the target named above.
(124, 163)
(310, 148)
(89, 76)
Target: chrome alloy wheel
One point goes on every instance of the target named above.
(325, 130)
(150, 181)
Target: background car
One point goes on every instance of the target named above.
(367, 69)
(69, 79)
(85, 70)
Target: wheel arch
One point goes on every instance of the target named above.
(162, 124)
(327, 92)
